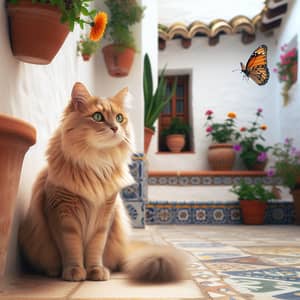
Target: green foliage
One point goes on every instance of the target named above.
(177, 127)
(71, 10)
(257, 191)
(123, 14)
(287, 164)
(220, 132)
(87, 46)
(252, 151)
(154, 101)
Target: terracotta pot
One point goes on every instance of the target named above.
(296, 196)
(175, 142)
(148, 133)
(36, 32)
(258, 166)
(253, 212)
(221, 157)
(294, 71)
(118, 60)
(16, 137)
(86, 57)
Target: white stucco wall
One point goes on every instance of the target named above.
(145, 35)
(214, 86)
(290, 114)
(38, 95)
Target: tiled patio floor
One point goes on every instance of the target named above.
(227, 262)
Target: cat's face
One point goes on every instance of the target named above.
(95, 122)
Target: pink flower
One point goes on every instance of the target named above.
(275, 70)
(259, 110)
(237, 147)
(270, 172)
(262, 156)
(209, 129)
(283, 78)
(209, 112)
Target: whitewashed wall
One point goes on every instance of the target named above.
(290, 114)
(38, 95)
(214, 86)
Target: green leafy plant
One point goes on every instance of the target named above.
(177, 127)
(257, 191)
(220, 132)
(72, 11)
(86, 46)
(154, 101)
(123, 14)
(250, 148)
(287, 163)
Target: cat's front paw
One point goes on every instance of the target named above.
(74, 273)
(98, 273)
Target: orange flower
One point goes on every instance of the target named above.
(98, 26)
(263, 127)
(243, 129)
(231, 115)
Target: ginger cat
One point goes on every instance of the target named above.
(76, 226)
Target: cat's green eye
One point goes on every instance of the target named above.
(119, 118)
(98, 117)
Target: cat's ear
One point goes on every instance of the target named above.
(80, 96)
(120, 97)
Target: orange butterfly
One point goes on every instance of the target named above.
(256, 67)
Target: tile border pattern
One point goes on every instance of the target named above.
(168, 212)
(134, 196)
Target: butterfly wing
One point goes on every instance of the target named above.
(256, 67)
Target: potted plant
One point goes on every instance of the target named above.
(119, 55)
(287, 70)
(253, 201)
(154, 101)
(176, 134)
(38, 28)
(16, 136)
(86, 47)
(287, 167)
(253, 154)
(221, 155)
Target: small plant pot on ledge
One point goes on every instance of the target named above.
(16, 137)
(175, 142)
(36, 31)
(253, 212)
(221, 157)
(118, 60)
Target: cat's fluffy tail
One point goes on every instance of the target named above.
(156, 263)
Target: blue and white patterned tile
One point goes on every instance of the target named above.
(196, 180)
(136, 213)
(183, 180)
(184, 216)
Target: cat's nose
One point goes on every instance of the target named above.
(114, 128)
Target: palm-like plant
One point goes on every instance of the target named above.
(155, 101)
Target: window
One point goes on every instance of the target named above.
(177, 107)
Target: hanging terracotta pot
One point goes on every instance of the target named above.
(175, 142)
(16, 137)
(118, 60)
(148, 133)
(294, 72)
(36, 31)
(86, 57)
(253, 212)
(221, 157)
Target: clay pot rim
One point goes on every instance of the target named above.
(220, 145)
(116, 46)
(149, 130)
(17, 127)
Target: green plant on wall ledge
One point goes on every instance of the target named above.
(287, 70)
(86, 47)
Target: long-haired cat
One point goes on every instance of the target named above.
(76, 226)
